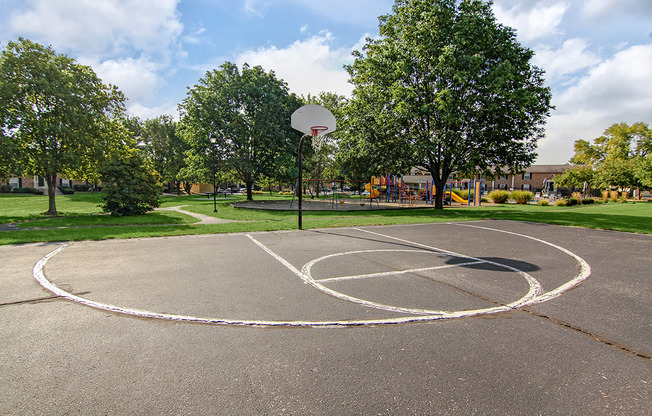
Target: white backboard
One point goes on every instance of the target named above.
(312, 115)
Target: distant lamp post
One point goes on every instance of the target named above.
(213, 150)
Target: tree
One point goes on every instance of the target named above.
(446, 88)
(576, 176)
(56, 116)
(619, 157)
(134, 186)
(249, 112)
(165, 148)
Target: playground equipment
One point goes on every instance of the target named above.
(373, 193)
(477, 194)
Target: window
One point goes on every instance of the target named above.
(65, 182)
(527, 176)
(502, 177)
(15, 182)
(41, 181)
(502, 186)
(527, 187)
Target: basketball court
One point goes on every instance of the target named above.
(490, 316)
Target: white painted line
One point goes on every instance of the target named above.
(309, 280)
(535, 286)
(584, 273)
(395, 272)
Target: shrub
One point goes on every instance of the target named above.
(577, 195)
(588, 201)
(81, 188)
(499, 197)
(522, 197)
(561, 203)
(27, 190)
(134, 186)
(286, 193)
(484, 199)
(5, 188)
(256, 192)
(66, 190)
(605, 196)
(543, 203)
(571, 201)
(613, 196)
(464, 193)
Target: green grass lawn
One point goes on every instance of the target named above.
(81, 218)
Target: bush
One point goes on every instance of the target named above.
(27, 190)
(5, 188)
(463, 193)
(588, 201)
(605, 196)
(484, 199)
(613, 196)
(499, 197)
(522, 197)
(561, 203)
(571, 201)
(134, 186)
(66, 190)
(577, 195)
(81, 188)
(543, 203)
(286, 193)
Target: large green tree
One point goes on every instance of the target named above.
(56, 116)
(619, 157)
(164, 147)
(447, 88)
(249, 112)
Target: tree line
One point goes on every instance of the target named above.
(444, 88)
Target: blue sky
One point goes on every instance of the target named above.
(597, 53)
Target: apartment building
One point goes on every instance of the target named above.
(536, 178)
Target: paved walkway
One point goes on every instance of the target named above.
(204, 219)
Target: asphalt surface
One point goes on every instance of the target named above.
(490, 317)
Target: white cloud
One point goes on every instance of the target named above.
(570, 58)
(536, 22)
(604, 8)
(616, 90)
(138, 79)
(256, 7)
(99, 28)
(308, 66)
(145, 113)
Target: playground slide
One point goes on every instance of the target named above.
(458, 198)
(373, 193)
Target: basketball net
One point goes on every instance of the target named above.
(318, 136)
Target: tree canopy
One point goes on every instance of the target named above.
(249, 112)
(164, 147)
(620, 158)
(56, 116)
(447, 88)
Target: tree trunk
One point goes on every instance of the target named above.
(52, 188)
(249, 185)
(439, 182)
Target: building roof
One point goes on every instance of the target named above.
(548, 168)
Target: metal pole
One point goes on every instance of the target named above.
(300, 181)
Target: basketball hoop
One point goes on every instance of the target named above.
(306, 120)
(318, 130)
